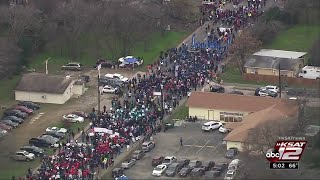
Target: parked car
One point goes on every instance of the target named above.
(104, 63)
(159, 170)
(58, 135)
(217, 89)
(185, 171)
(231, 153)
(236, 92)
(10, 123)
(211, 174)
(110, 81)
(138, 154)
(117, 76)
(197, 172)
(230, 175)
(108, 89)
(14, 119)
(49, 138)
(73, 118)
(222, 129)
(30, 105)
(265, 92)
(211, 125)
(117, 172)
(221, 167)
(73, 66)
(128, 163)
(23, 109)
(184, 162)
(194, 164)
(23, 156)
(207, 165)
(5, 127)
(81, 114)
(173, 169)
(33, 149)
(156, 160)
(56, 129)
(169, 160)
(40, 142)
(234, 164)
(147, 146)
(3, 133)
(17, 113)
(272, 88)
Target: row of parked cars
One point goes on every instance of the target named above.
(16, 115)
(112, 82)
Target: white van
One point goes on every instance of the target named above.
(310, 72)
(211, 125)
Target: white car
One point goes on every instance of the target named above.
(73, 118)
(117, 76)
(159, 170)
(23, 156)
(56, 129)
(211, 125)
(230, 175)
(169, 160)
(272, 88)
(122, 59)
(108, 89)
(224, 130)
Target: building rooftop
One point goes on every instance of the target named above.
(280, 53)
(38, 82)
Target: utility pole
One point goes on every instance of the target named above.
(99, 95)
(280, 85)
(46, 61)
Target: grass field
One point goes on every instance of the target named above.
(297, 38)
(181, 113)
(233, 75)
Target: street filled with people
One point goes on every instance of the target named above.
(139, 111)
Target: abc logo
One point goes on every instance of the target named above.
(272, 155)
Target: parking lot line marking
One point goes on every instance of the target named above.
(217, 146)
(203, 147)
(198, 146)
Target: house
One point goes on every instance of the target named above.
(267, 62)
(229, 107)
(238, 136)
(45, 88)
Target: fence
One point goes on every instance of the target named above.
(289, 81)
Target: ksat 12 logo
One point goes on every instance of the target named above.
(286, 151)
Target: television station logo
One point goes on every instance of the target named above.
(286, 151)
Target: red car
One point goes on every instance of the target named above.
(5, 127)
(24, 109)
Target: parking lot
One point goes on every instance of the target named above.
(197, 145)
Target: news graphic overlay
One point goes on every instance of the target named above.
(286, 154)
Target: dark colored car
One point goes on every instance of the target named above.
(55, 134)
(183, 162)
(33, 149)
(72, 66)
(39, 142)
(220, 167)
(117, 172)
(14, 119)
(196, 172)
(207, 165)
(231, 153)
(194, 164)
(10, 123)
(81, 114)
(185, 171)
(14, 112)
(30, 105)
(157, 160)
(173, 169)
(23, 109)
(217, 89)
(104, 63)
(236, 92)
(211, 174)
(138, 154)
(5, 127)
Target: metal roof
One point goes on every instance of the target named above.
(280, 53)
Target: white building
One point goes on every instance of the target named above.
(43, 88)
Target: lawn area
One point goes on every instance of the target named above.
(297, 38)
(181, 112)
(6, 90)
(17, 168)
(233, 75)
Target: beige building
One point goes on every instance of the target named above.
(238, 112)
(267, 61)
(44, 88)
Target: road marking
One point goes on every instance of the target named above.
(198, 146)
(203, 147)
(35, 118)
(189, 148)
(205, 38)
(218, 145)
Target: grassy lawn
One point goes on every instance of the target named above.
(297, 38)
(181, 112)
(6, 90)
(17, 168)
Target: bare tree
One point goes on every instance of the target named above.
(9, 56)
(244, 44)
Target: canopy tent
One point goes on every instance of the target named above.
(130, 60)
(123, 177)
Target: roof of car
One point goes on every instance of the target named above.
(169, 157)
(21, 151)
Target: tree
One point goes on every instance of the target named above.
(9, 56)
(315, 53)
(245, 44)
(266, 31)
